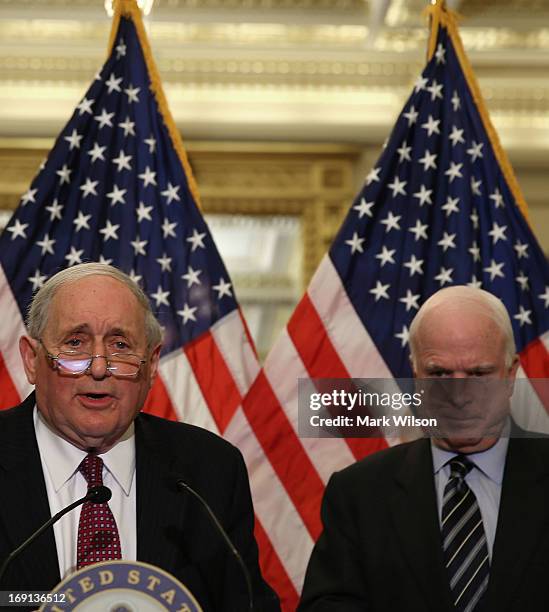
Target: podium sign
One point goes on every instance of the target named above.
(121, 586)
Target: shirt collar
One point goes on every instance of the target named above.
(62, 458)
(490, 462)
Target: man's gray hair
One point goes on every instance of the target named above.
(484, 301)
(38, 311)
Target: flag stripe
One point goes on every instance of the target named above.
(8, 393)
(274, 508)
(237, 350)
(214, 379)
(9, 339)
(158, 401)
(273, 570)
(311, 340)
(343, 326)
(184, 392)
(327, 454)
(284, 451)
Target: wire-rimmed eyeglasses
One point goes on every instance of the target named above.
(76, 363)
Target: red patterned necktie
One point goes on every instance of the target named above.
(98, 538)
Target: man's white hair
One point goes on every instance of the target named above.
(462, 295)
(38, 313)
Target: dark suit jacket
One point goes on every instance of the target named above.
(173, 531)
(381, 546)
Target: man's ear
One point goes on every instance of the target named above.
(155, 356)
(28, 348)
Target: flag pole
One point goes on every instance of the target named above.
(441, 16)
(130, 10)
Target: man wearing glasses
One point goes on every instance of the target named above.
(92, 352)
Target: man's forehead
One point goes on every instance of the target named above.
(95, 302)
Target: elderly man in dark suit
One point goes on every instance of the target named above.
(459, 522)
(92, 353)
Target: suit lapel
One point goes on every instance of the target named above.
(414, 511)
(522, 516)
(157, 496)
(21, 474)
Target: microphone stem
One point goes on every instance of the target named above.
(45, 526)
(183, 485)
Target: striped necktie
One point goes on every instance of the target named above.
(98, 538)
(463, 539)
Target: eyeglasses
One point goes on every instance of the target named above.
(76, 363)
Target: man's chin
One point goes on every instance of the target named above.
(465, 445)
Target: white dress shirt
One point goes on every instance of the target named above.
(65, 484)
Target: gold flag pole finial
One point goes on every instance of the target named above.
(435, 12)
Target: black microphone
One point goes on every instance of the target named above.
(183, 486)
(95, 495)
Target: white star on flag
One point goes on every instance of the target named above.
(17, 229)
(364, 208)
(423, 195)
(37, 280)
(104, 118)
(74, 257)
(355, 243)
(411, 116)
(81, 221)
(96, 153)
(168, 229)
(116, 195)
(171, 193)
(410, 300)
(494, 269)
(88, 188)
(47, 244)
(74, 140)
(428, 160)
(444, 276)
(128, 127)
(148, 177)
(55, 210)
(64, 174)
(419, 230)
(391, 222)
(497, 232)
(113, 83)
(380, 291)
(139, 246)
(456, 136)
(386, 256)
(122, 161)
(431, 125)
(191, 277)
(143, 212)
(415, 265)
(397, 187)
(28, 196)
(132, 92)
(222, 288)
(109, 231)
(187, 313)
(197, 240)
(523, 316)
(165, 263)
(161, 297)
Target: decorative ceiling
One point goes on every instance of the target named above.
(309, 70)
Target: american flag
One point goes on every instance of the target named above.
(117, 188)
(440, 208)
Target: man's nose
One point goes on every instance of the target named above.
(99, 366)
